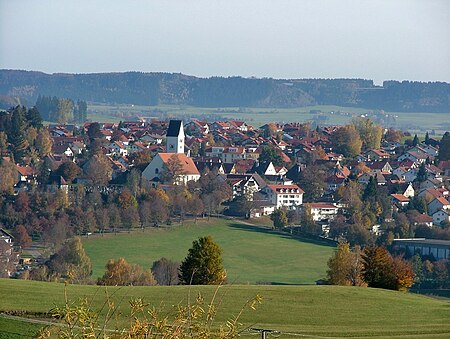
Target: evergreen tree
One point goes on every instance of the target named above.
(422, 174)
(415, 141)
(444, 147)
(203, 264)
(427, 138)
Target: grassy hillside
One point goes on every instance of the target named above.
(250, 254)
(331, 311)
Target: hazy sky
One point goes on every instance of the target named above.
(380, 40)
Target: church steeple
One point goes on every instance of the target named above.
(175, 137)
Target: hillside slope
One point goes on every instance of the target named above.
(331, 311)
(178, 89)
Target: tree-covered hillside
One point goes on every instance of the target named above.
(178, 89)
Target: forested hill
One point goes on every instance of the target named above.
(164, 88)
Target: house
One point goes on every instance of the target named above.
(6, 236)
(399, 200)
(158, 166)
(323, 211)
(440, 217)
(439, 249)
(290, 196)
(437, 204)
(377, 155)
(261, 205)
(245, 184)
(422, 219)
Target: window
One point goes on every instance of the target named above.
(156, 170)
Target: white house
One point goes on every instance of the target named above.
(323, 211)
(290, 196)
(158, 166)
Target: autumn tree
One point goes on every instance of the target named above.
(272, 154)
(383, 271)
(312, 181)
(8, 176)
(279, 218)
(165, 272)
(121, 273)
(203, 264)
(173, 170)
(393, 135)
(346, 140)
(307, 221)
(99, 170)
(44, 142)
(71, 262)
(21, 236)
(345, 266)
(68, 170)
(369, 133)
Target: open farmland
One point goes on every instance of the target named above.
(251, 254)
(307, 311)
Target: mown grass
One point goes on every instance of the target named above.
(250, 254)
(331, 311)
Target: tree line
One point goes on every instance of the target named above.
(164, 88)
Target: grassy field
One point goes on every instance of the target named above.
(309, 311)
(416, 122)
(250, 254)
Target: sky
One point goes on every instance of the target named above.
(378, 40)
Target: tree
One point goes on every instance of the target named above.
(369, 132)
(307, 221)
(312, 180)
(272, 154)
(121, 273)
(378, 268)
(279, 218)
(173, 170)
(21, 236)
(8, 176)
(444, 147)
(415, 141)
(94, 131)
(347, 141)
(203, 264)
(71, 262)
(99, 170)
(68, 170)
(65, 111)
(165, 272)
(44, 142)
(393, 135)
(404, 274)
(422, 174)
(339, 265)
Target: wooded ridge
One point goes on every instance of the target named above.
(178, 89)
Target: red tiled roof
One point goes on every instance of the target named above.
(278, 188)
(187, 163)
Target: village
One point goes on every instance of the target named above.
(266, 169)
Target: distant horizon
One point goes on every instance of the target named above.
(285, 39)
(226, 76)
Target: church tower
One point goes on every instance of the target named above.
(175, 137)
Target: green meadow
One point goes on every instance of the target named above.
(293, 311)
(251, 254)
(415, 122)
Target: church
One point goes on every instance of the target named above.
(174, 152)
